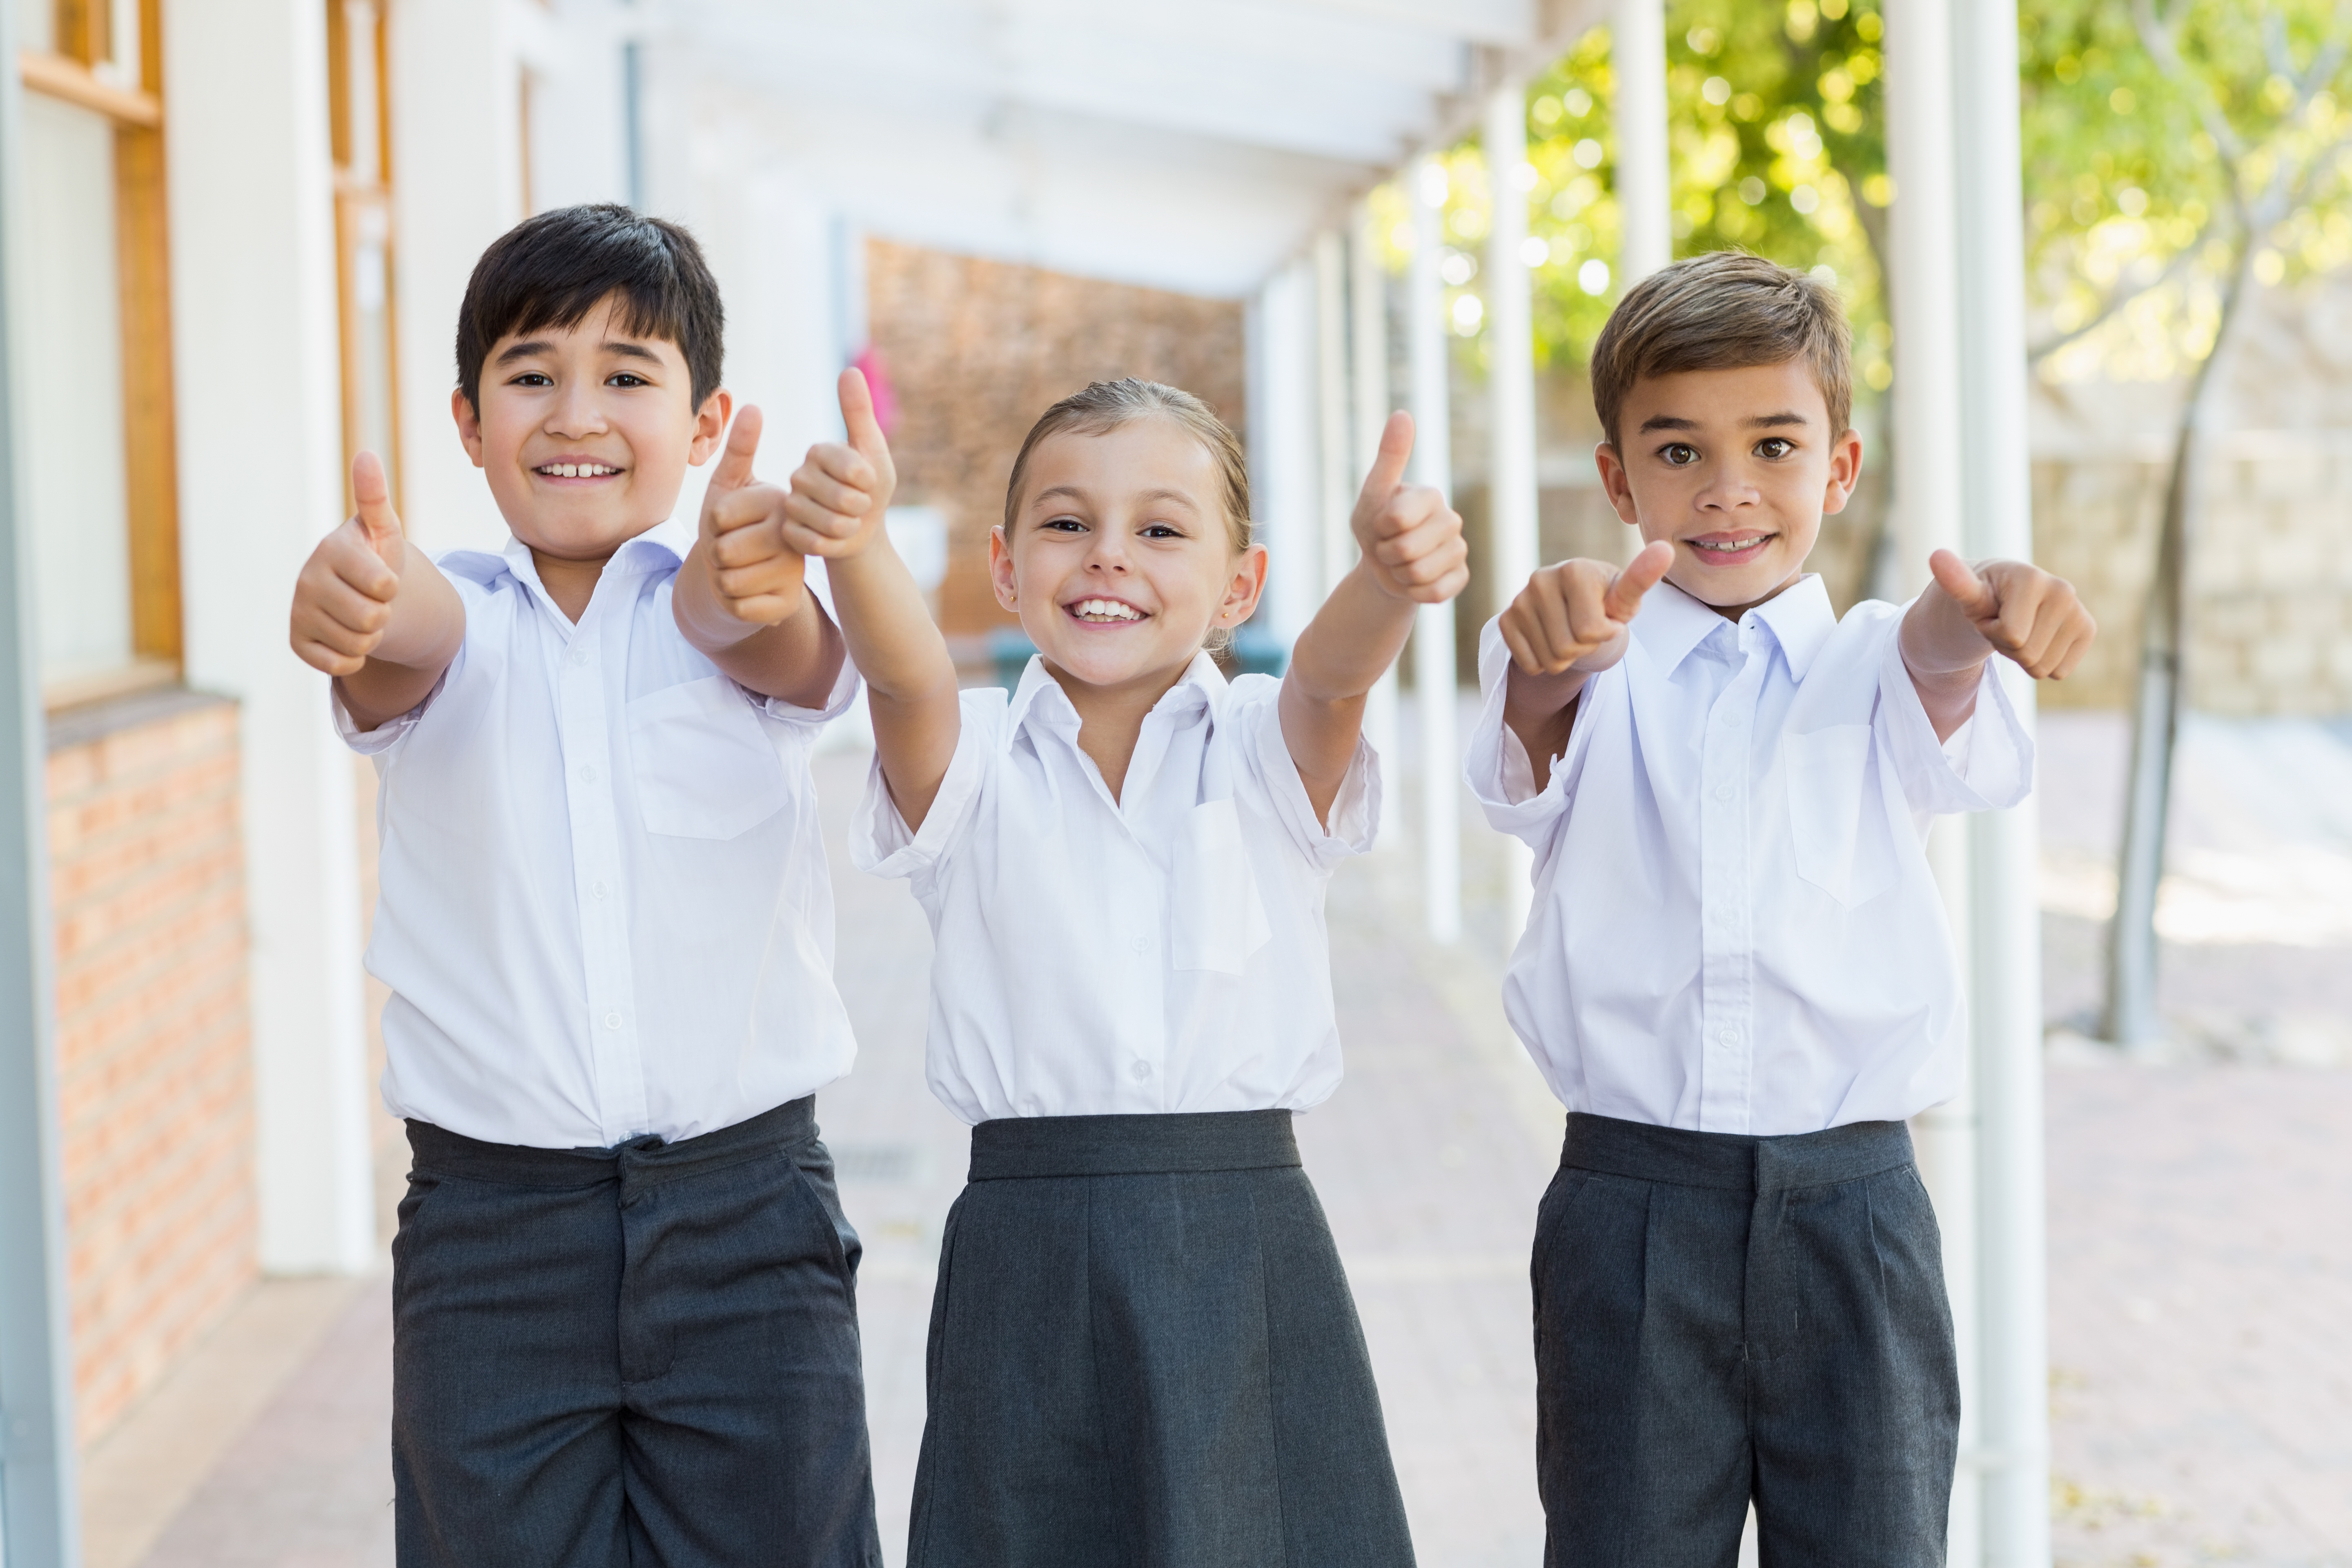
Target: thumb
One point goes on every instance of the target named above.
(1640, 576)
(734, 469)
(372, 495)
(1967, 590)
(1388, 462)
(857, 420)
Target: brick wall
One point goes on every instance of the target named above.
(976, 350)
(2270, 605)
(154, 1058)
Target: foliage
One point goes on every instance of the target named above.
(2161, 141)
(1776, 146)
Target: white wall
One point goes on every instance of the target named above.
(254, 328)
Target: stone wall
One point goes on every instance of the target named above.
(975, 350)
(154, 1052)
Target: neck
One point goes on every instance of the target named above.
(1110, 718)
(570, 583)
(1733, 612)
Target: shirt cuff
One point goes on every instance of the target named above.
(1495, 763)
(1355, 816)
(1986, 764)
(388, 734)
(836, 701)
(879, 841)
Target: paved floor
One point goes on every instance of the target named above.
(2201, 1262)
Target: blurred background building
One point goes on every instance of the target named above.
(237, 232)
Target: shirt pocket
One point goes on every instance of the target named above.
(705, 767)
(1216, 920)
(1840, 847)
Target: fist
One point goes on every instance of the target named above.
(1574, 616)
(841, 491)
(754, 574)
(2019, 609)
(1410, 539)
(343, 598)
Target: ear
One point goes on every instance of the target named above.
(710, 426)
(469, 424)
(1000, 568)
(1615, 482)
(1243, 589)
(1846, 472)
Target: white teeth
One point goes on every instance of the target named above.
(1730, 548)
(576, 471)
(1106, 610)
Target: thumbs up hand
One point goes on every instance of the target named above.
(841, 491)
(343, 598)
(755, 575)
(1574, 617)
(1410, 539)
(2007, 606)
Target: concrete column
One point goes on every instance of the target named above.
(1368, 377)
(1922, 227)
(260, 462)
(40, 1503)
(2004, 941)
(1433, 632)
(1336, 484)
(1513, 542)
(1637, 55)
(1283, 470)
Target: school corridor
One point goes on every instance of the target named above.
(2200, 1267)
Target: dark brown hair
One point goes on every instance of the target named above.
(552, 270)
(1105, 405)
(1723, 311)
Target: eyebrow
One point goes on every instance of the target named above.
(621, 346)
(1075, 493)
(1758, 422)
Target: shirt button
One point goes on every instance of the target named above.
(579, 657)
(1140, 1070)
(611, 1020)
(587, 773)
(1138, 944)
(1729, 1036)
(599, 890)
(1724, 792)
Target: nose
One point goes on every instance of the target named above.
(1107, 551)
(577, 410)
(1727, 489)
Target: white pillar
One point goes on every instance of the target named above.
(40, 1505)
(1637, 57)
(1922, 227)
(1513, 542)
(1282, 469)
(2004, 945)
(1335, 486)
(1367, 366)
(1432, 630)
(254, 349)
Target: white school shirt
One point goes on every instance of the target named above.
(1735, 929)
(603, 909)
(1165, 952)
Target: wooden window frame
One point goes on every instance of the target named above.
(143, 272)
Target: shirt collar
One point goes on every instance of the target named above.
(662, 547)
(1040, 696)
(1671, 623)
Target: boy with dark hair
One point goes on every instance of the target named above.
(624, 1293)
(1737, 974)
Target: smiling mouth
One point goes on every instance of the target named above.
(1105, 612)
(575, 470)
(1730, 549)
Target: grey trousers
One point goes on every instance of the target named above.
(1722, 1318)
(646, 1355)
(1143, 1354)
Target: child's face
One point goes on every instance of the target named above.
(1120, 561)
(585, 432)
(1735, 470)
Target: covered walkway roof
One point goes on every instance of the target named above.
(1192, 147)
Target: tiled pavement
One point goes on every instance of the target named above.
(2201, 1268)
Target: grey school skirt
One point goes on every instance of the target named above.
(1143, 1354)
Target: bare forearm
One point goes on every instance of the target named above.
(910, 680)
(1945, 658)
(1540, 710)
(426, 625)
(1351, 641)
(795, 660)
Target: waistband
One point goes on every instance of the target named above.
(442, 1152)
(1734, 1160)
(1022, 1146)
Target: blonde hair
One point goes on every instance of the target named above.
(1105, 405)
(1724, 311)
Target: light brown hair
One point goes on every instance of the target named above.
(1105, 405)
(1725, 311)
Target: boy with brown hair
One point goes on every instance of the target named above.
(1737, 974)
